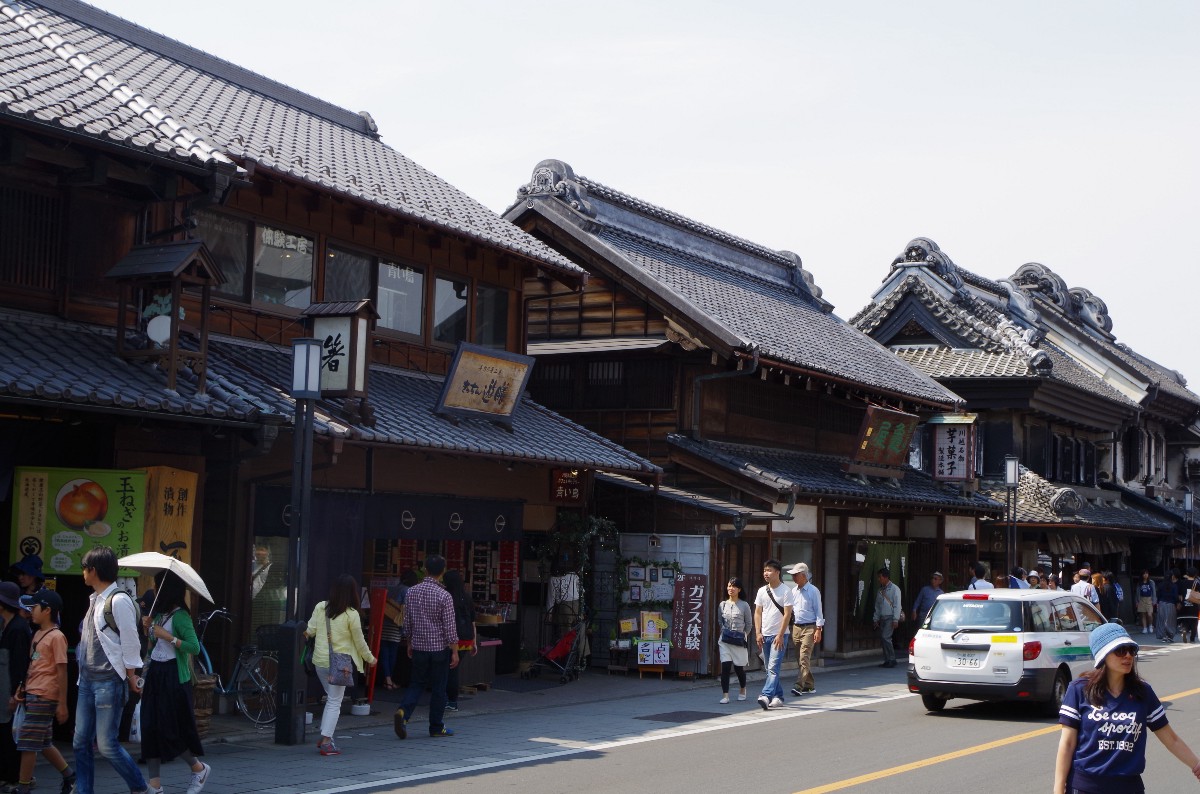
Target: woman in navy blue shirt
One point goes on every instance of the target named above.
(1104, 716)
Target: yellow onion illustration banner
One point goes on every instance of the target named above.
(59, 514)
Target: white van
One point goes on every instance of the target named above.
(1001, 644)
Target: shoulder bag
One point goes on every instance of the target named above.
(341, 666)
(792, 621)
(1193, 595)
(728, 635)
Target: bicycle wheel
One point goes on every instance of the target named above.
(256, 689)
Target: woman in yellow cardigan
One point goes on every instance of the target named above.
(168, 724)
(345, 628)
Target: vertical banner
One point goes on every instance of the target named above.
(687, 615)
(59, 514)
(379, 600)
(170, 508)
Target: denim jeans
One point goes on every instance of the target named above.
(774, 660)
(429, 669)
(887, 628)
(98, 718)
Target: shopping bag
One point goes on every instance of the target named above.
(135, 725)
(18, 719)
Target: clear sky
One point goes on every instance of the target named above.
(1066, 132)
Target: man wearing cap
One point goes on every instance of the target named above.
(927, 596)
(1084, 588)
(808, 628)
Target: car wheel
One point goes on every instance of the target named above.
(1056, 694)
(933, 702)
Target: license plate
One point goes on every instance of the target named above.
(966, 659)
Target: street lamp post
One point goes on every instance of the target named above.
(306, 389)
(1187, 516)
(1012, 478)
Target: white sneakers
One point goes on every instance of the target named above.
(724, 699)
(762, 701)
(199, 779)
(776, 702)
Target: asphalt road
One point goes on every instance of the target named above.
(862, 733)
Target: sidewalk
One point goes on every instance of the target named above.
(513, 719)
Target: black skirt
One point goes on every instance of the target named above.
(168, 721)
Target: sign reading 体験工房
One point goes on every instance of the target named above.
(884, 437)
(485, 383)
(59, 514)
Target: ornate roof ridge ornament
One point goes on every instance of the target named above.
(557, 179)
(1077, 303)
(923, 252)
(803, 279)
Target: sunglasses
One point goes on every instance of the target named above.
(1125, 650)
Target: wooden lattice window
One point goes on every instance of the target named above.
(31, 246)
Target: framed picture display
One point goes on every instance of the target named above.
(653, 574)
(635, 592)
(637, 573)
(668, 573)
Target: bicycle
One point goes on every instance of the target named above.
(255, 674)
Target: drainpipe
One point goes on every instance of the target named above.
(699, 382)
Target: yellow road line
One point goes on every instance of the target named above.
(938, 759)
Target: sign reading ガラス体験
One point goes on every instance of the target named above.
(59, 514)
(687, 618)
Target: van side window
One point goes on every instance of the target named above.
(1089, 616)
(1064, 612)
(1041, 618)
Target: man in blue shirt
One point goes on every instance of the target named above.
(926, 597)
(808, 628)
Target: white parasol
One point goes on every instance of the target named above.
(153, 561)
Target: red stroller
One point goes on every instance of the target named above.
(566, 655)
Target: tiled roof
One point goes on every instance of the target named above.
(49, 79)
(1004, 349)
(1040, 501)
(698, 501)
(248, 382)
(46, 360)
(403, 402)
(150, 92)
(822, 475)
(945, 362)
(784, 322)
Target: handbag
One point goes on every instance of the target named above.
(1192, 596)
(306, 655)
(341, 666)
(731, 637)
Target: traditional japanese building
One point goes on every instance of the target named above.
(1099, 430)
(171, 223)
(717, 358)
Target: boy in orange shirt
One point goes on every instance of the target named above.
(44, 692)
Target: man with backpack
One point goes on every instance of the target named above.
(109, 655)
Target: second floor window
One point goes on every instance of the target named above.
(347, 275)
(449, 311)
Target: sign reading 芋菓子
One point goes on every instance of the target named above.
(59, 514)
(484, 383)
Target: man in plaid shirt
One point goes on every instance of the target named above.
(432, 646)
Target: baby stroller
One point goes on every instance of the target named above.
(564, 619)
(565, 656)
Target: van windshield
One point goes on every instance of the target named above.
(968, 615)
